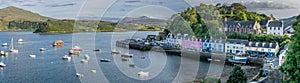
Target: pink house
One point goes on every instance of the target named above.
(192, 43)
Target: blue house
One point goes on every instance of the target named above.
(206, 45)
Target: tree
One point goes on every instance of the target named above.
(237, 76)
(237, 7)
(291, 67)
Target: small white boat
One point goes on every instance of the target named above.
(126, 55)
(105, 60)
(86, 57)
(217, 60)
(143, 74)
(79, 75)
(84, 61)
(32, 56)
(209, 59)
(93, 71)
(2, 52)
(71, 52)
(42, 49)
(66, 57)
(2, 64)
(5, 44)
(115, 51)
(12, 47)
(125, 59)
(77, 48)
(20, 40)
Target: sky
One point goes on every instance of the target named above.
(105, 9)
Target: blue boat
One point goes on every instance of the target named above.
(238, 60)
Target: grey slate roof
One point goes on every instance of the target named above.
(237, 41)
(242, 24)
(263, 22)
(275, 24)
(262, 44)
(205, 40)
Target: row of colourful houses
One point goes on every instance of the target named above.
(229, 46)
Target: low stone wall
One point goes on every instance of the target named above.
(187, 53)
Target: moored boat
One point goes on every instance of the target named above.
(12, 47)
(84, 61)
(86, 57)
(42, 49)
(238, 60)
(66, 57)
(5, 44)
(97, 50)
(105, 60)
(79, 75)
(143, 74)
(125, 59)
(5, 54)
(20, 40)
(32, 56)
(94, 71)
(58, 43)
(77, 48)
(115, 51)
(126, 55)
(2, 64)
(2, 52)
(209, 59)
(131, 65)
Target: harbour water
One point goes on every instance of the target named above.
(48, 66)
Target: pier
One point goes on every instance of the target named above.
(204, 56)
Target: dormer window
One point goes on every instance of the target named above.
(256, 44)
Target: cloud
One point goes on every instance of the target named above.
(28, 5)
(267, 5)
(61, 5)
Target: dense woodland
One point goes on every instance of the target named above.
(204, 20)
(291, 66)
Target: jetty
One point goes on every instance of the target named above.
(204, 56)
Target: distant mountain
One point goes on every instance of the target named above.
(289, 21)
(145, 20)
(13, 19)
(13, 13)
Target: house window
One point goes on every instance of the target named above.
(227, 46)
(278, 28)
(233, 47)
(269, 50)
(241, 47)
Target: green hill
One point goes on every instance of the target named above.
(13, 13)
(17, 16)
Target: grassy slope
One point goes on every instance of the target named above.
(13, 13)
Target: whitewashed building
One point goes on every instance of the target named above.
(275, 27)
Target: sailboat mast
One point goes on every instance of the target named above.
(12, 43)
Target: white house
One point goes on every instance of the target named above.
(235, 46)
(275, 27)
